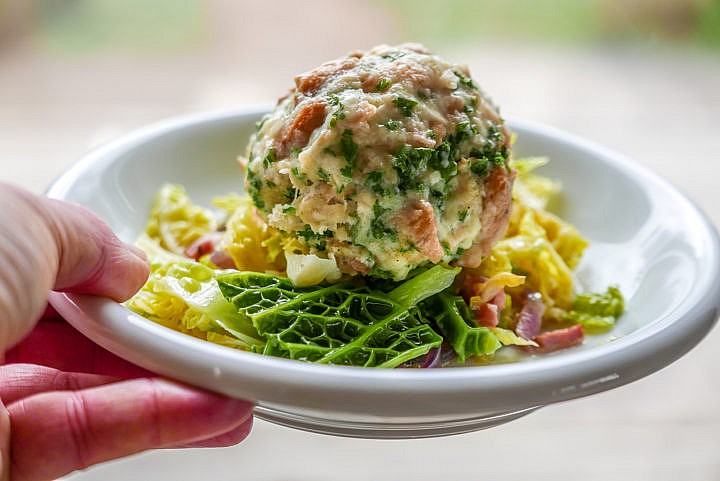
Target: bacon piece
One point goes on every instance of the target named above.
(222, 259)
(310, 82)
(417, 223)
(203, 245)
(495, 215)
(486, 314)
(471, 284)
(558, 339)
(298, 134)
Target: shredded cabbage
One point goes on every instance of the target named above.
(175, 222)
(252, 245)
(285, 302)
(538, 244)
(309, 269)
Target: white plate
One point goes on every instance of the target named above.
(645, 236)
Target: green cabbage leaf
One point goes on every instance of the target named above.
(341, 324)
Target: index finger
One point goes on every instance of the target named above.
(60, 346)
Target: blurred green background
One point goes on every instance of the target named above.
(641, 77)
(85, 26)
(82, 71)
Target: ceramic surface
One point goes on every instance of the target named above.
(645, 237)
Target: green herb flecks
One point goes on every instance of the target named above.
(254, 184)
(323, 175)
(374, 181)
(269, 158)
(410, 164)
(493, 153)
(382, 84)
(378, 228)
(405, 105)
(392, 125)
(349, 151)
(290, 194)
(339, 112)
(463, 215)
(392, 56)
(465, 81)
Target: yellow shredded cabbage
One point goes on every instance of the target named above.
(251, 244)
(538, 244)
(175, 222)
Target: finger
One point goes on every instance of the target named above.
(230, 438)
(50, 314)
(18, 381)
(4, 444)
(92, 259)
(58, 432)
(58, 345)
(52, 244)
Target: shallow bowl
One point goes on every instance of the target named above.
(645, 237)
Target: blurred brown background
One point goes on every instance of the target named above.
(640, 76)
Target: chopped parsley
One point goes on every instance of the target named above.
(349, 151)
(383, 84)
(298, 175)
(378, 228)
(310, 235)
(259, 124)
(392, 124)
(479, 166)
(405, 105)
(288, 209)
(254, 183)
(463, 215)
(290, 194)
(374, 181)
(491, 153)
(392, 56)
(270, 184)
(465, 81)
(410, 163)
(269, 158)
(339, 112)
(323, 175)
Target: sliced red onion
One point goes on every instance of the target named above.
(530, 317)
(433, 358)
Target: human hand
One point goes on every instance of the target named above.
(68, 403)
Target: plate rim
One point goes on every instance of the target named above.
(572, 369)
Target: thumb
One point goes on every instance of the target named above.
(48, 244)
(91, 259)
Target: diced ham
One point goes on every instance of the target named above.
(222, 259)
(310, 82)
(558, 339)
(203, 245)
(417, 223)
(486, 314)
(298, 134)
